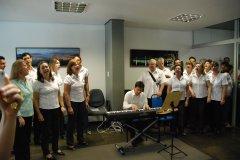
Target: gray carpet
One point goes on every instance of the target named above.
(146, 151)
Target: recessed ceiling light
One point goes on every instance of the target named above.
(69, 7)
(186, 17)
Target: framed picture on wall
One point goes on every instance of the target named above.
(140, 58)
(45, 54)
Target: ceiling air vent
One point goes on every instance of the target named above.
(186, 17)
(69, 7)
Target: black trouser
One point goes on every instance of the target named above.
(208, 111)
(61, 123)
(228, 110)
(22, 139)
(181, 116)
(164, 93)
(149, 102)
(36, 128)
(79, 120)
(217, 115)
(198, 105)
(188, 114)
(49, 130)
(138, 124)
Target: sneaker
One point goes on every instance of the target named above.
(71, 147)
(228, 125)
(184, 133)
(50, 157)
(59, 152)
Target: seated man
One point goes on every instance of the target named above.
(134, 100)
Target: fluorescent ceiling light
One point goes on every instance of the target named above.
(69, 7)
(186, 17)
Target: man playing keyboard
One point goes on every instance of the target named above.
(134, 100)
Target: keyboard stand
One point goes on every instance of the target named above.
(123, 149)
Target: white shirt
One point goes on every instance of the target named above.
(130, 98)
(186, 75)
(209, 72)
(77, 85)
(59, 80)
(199, 85)
(178, 85)
(230, 83)
(217, 83)
(48, 94)
(32, 76)
(167, 72)
(151, 87)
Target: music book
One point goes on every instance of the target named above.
(174, 97)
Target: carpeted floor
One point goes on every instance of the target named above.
(197, 146)
(147, 150)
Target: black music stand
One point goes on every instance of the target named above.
(170, 103)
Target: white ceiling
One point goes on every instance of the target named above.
(136, 13)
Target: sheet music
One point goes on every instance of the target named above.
(171, 97)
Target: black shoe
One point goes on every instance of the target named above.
(218, 132)
(81, 144)
(137, 141)
(134, 144)
(37, 142)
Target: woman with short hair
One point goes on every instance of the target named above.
(75, 94)
(218, 96)
(200, 89)
(179, 83)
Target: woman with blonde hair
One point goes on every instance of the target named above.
(55, 65)
(25, 114)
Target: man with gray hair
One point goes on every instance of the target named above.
(153, 79)
(161, 66)
(168, 74)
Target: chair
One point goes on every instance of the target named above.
(97, 104)
(158, 102)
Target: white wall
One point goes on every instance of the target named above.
(206, 35)
(152, 39)
(89, 38)
(216, 53)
